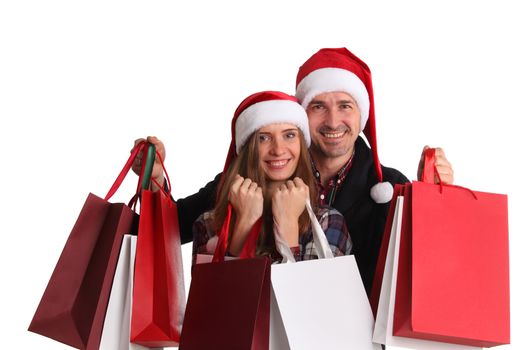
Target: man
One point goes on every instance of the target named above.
(335, 88)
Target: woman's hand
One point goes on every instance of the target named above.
(247, 201)
(288, 203)
(157, 172)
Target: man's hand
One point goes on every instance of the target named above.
(157, 172)
(443, 166)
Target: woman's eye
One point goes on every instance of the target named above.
(291, 135)
(263, 138)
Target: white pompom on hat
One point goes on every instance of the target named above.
(339, 70)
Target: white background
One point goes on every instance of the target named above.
(79, 81)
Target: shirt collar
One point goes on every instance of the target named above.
(341, 174)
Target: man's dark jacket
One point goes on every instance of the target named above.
(364, 218)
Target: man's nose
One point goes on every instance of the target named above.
(331, 118)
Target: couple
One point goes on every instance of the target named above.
(268, 172)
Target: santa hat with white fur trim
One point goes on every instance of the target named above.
(339, 70)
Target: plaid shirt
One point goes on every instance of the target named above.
(327, 193)
(331, 221)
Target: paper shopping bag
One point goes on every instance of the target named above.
(68, 311)
(159, 298)
(322, 304)
(319, 304)
(73, 306)
(116, 331)
(383, 329)
(228, 306)
(229, 301)
(385, 244)
(453, 276)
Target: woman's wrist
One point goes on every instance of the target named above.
(289, 229)
(243, 226)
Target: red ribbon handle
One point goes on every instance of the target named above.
(120, 178)
(248, 250)
(429, 168)
(167, 193)
(430, 171)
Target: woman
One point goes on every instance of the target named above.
(268, 178)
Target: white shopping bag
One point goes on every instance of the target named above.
(385, 310)
(319, 304)
(116, 331)
(207, 258)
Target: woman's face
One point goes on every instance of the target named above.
(279, 150)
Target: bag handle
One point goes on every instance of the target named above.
(320, 241)
(429, 166)
(122, 175)
(430, 170)
(145, 178)
(248, 250)
(146, 170)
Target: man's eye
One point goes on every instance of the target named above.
(317, 107)
(347, 106)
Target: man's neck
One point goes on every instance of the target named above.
(329, 167)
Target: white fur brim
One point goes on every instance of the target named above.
(382, 192)
(334, 80)
(270, 112)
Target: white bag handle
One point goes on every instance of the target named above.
(320, 241)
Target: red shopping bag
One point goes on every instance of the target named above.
(229, 301)
(453, 274)
(159, 297)
(73, 306)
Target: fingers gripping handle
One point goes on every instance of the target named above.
(429, 166)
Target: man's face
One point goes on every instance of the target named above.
(334, 120)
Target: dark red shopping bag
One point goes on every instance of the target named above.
(73, 306)
(453, 274)
(229, 301)
(159, 297)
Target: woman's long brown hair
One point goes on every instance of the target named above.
(246, 164)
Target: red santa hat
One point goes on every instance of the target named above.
(339, 70)
(261, 109)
